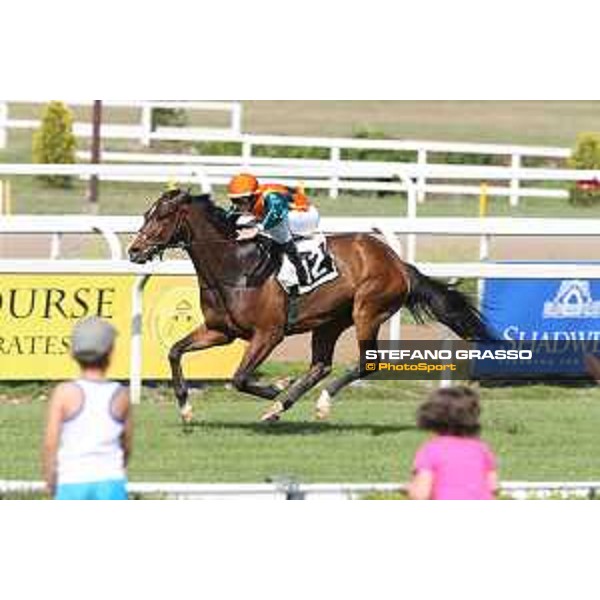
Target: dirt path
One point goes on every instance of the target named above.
(38, 246)
(297, 348)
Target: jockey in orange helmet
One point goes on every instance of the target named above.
(270, 204)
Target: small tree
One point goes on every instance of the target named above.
(55, 143)
(585, 156)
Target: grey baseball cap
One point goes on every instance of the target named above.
(92, 338)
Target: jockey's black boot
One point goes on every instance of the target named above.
(292, 253)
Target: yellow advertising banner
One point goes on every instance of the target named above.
(171, 311)
(37, 314)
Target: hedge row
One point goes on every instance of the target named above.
(455, 158)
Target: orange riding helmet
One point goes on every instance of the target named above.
(242, 185)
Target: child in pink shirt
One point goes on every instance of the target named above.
(455, 464)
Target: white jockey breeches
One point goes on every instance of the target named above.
(300, 223)
(304, 223)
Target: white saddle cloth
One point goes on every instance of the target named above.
(318, 263)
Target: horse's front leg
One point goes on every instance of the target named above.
(259, 348)
(200, 339)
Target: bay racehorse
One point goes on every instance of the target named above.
(241, 298)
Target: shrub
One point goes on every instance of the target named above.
(364, 133)
(55, 143)
(169, 117)
(585, 156)
(292, 152)
(216, 148)
(467, 158)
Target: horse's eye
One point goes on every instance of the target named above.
(164, 210)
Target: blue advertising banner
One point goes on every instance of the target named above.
(563, 315)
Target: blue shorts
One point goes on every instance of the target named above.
(98, 490)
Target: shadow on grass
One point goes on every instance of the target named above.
(295, 428)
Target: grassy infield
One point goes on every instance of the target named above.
(539, 433)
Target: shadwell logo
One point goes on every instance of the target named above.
(572, 301)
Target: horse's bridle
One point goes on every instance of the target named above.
(183, 243)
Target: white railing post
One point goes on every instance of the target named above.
(484, 247)
(202, 179)
(3, 124)
(446, 377)
(146, 124)
(55, 246)
(515, 164)
(236, 118)
(421, 181)
(395, 332)
(246, 153)
(396, 326)
(484, 254)
(136, 347)
(411, 197)
(411, 212)
(334, 181)
(114, 243)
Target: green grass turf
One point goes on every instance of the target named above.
(539, 433)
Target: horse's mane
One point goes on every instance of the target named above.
(256, 255)
(216, 214)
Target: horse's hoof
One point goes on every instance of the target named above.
(270, 418)
(283, 383)
(187, 414)
(273, 414)
(323, 407)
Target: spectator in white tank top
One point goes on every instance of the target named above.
(89, 427)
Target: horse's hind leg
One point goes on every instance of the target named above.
(200, 339)
(323, 345)
(367, 330)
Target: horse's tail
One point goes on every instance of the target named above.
(430, 298)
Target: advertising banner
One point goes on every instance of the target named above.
(560, 313)
(37, 314)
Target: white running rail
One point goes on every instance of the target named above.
(142, 130)
(336, 149)
(294, 169)
(362, 174)
(290, 490)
